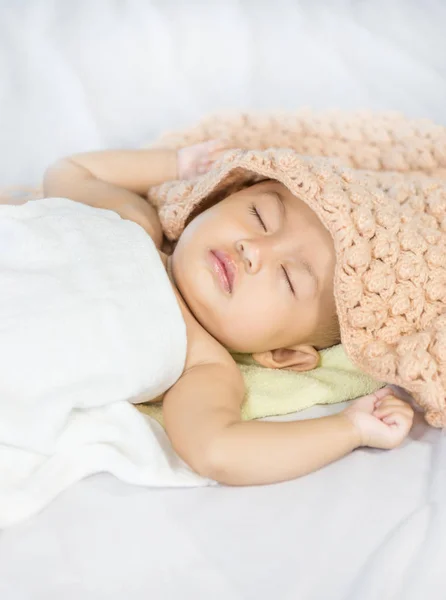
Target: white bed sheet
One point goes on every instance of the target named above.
(82, 75)
(371, 526)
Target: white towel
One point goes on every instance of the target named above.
(88, 321)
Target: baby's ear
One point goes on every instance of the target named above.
(300, 358)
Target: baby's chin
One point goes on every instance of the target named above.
(213, 323)
(201, 315)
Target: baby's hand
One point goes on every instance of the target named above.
(381, 420)
(199, 158)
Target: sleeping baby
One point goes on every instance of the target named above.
(252, 272)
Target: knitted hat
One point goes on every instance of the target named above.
(389, 232)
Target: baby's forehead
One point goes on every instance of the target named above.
(277, 187)
(274, 185)
(267, 183)
(298, 212)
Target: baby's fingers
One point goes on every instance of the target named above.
(215, 152)
(212, 149)
(399, 421)
(390, 400)
(218, 145)
(203, 166)
(397, 426)
(387, 408)
(396, 417)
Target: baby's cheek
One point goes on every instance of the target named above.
(252, 331)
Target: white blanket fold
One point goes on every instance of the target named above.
(88, 322)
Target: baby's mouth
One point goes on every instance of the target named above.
(225, 269)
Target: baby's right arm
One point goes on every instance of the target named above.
(202, 417)
(118, 180)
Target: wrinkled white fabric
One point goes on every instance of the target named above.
(88, 321)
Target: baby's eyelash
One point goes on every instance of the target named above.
(288, 280)
(253, 210)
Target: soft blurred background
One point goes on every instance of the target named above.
(83, 74)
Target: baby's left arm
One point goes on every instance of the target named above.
(203, 421)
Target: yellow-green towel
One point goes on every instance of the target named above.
(271, 392)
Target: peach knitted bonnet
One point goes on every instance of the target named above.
(381, 193)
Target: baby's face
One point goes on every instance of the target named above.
(256, 269)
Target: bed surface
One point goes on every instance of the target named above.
(76, 76)
(81, 75)
(359, 529)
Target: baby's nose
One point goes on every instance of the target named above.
(250, 254)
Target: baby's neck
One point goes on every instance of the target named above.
(169, 270)
(167, 262)
(189, 316)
